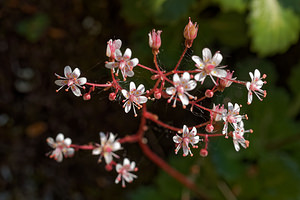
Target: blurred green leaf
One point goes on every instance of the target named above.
(134, 12)
(232, 5)
(291, 4)
(273, 28)
(33, 28)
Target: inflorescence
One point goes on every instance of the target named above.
(175, 85)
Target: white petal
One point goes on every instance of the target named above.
(133, 62)
(108, 51)
(68, 141)
(177, 139)
(51, 142)
(61, 82)
(259, 83)
(81, 81)
(256, 74)
(103, 138)
(111, 138)
(118, 55)
(58, 156)
(198, 61)
(236, 108)
(230, 106)
(217, 58)
(221, 73)
(96, 151)
(68, 71)
(184, 99)
(117, 43)
(108, 158)
(248, 85)
(129, 73)
(127, 106)
(170, 90)
(193, 132)
(185, 149)
(132, 166)
(125, 93)
(76, 91)
(206, 53)
(76, 73)
(116, 146)
(142, 99)
(176, 79)
(69, 153)
(112, 65)
(60, 137)
(191, 85)
(250, 97)
(118, 167)
(251, 76)
(141, 89)
(200, 77)
(185, 131)
(236, 145)
(185, 77)
(127, 54)
(195, 140)
(132, 86)
(126, 162)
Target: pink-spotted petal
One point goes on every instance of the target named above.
(76, 91)
(170, 90)
(206, 53)
(127, 106)
(184, 99)
(133, 62)
(200, 77)
(141, 99)
(193, 132)
(58, 156)
(117, 43)
(195, 140)
(177, 139)
(250, 97)
(141, 89)
(185, 149)
(185, 77)
(67, 71)
(132, 86)
(118, 55)
(112, 65)
(76, 73)
(199, 63)
(81, 81)
(176, 79)
(127, 54)
(70, 152)
(190, 85)
(61, 82)
(185, 131)
(221, 73)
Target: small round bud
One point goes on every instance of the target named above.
(209, 93)
(86, 96)
(108, 167)
(203, 152)
(157, 94)
(112, 96)
(209, 128)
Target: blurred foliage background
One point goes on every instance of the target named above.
(38, 38)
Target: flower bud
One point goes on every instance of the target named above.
(203, 152)
(155, 41)
(190, 33)
(112, 96)
(224, 83)
(86, 96)
(157, 94)
(209, 93)
(209, 128)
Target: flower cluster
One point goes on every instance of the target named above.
(174, 85)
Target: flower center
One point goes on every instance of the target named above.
(186, 140)
(180, 89)
(230, 119)
(208, 68)
(107, 149)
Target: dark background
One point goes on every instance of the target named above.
(39, 38)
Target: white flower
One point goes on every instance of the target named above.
(232, 116)
(186, 139)
(107, 147)
(133, 97)
(238, 136)
(181, 86)
(123, 63)
(218, 112)
(61, 147)
(209, 66)
(71, 80)
(255, 86)
(112, 46)
(124, 172)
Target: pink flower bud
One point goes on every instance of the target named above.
(155, 41)
(112, 96)
(209, 93)
(190, 33)
(224, 83)
(203, 152)
(157, 94)
(209, 128)
(86, 96)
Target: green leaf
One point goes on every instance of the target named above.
(232, 5)
(273, 28)
(33, 28)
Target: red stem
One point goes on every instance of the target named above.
(180, 59)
